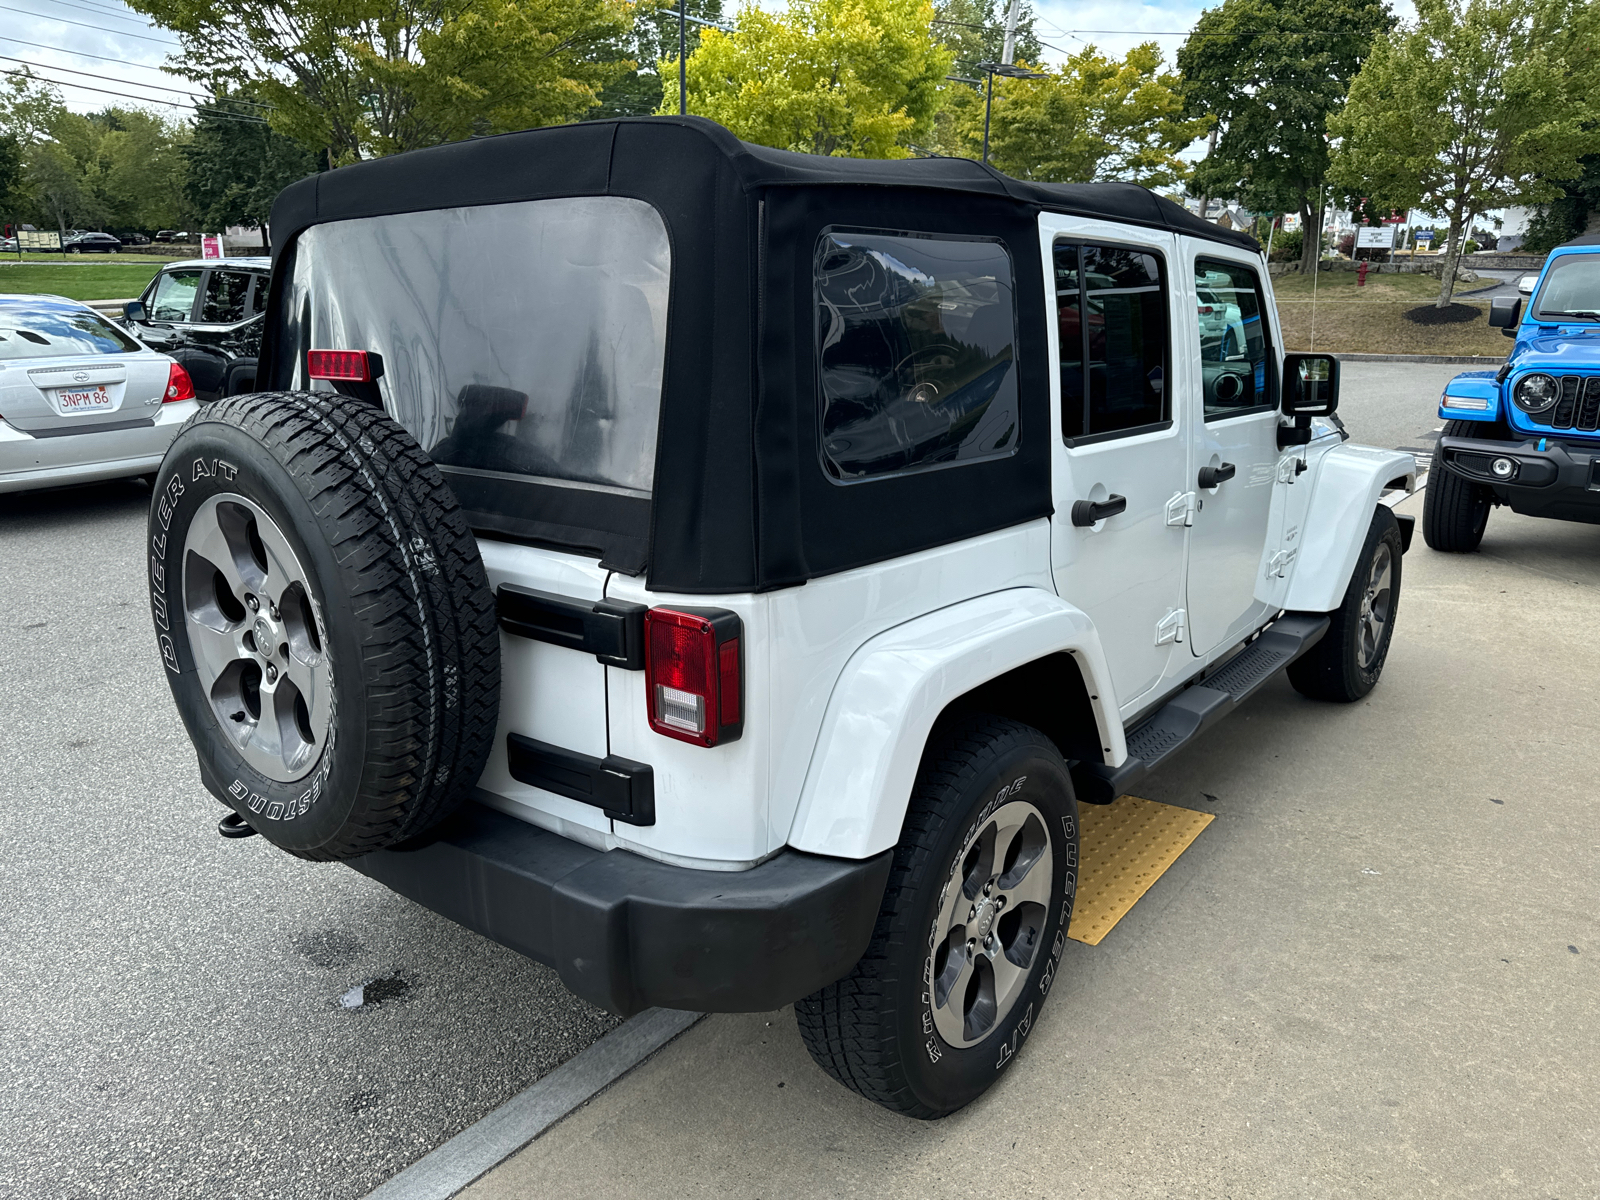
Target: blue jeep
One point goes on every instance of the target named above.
(1527, 435)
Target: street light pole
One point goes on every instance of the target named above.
(1009, 72)
(683, 68)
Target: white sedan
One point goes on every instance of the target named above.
(80, 399)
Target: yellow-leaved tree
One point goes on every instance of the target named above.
(858, 78)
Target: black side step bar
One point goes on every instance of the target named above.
(1201, 706)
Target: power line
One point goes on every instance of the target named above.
(63, 21)
(115, 16)
(213, 100)
(81, 54)
(211, 115)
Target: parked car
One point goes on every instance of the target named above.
(1528, 435)
(9, 243)
(206, 313)
(708, 570)
(91, 243)
(80, 400)
(165, 235)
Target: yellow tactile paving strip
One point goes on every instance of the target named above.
(1123, 848)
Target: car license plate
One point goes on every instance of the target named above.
(84, 400)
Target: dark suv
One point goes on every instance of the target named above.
(206, 313)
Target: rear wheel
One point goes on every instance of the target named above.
(1344, 666)
(971, 931)
(1455, 511)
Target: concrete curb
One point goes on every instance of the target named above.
(1482, 360)
(491, 1140)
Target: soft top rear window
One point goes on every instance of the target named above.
(518, 342)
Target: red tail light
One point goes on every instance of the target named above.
(346, 366)
(693, 674)
(179, 385)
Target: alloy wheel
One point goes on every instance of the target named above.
(256, 637)
(991, 922)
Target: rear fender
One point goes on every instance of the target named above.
(895, 687)
(1348, 482)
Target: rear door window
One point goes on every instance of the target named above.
(173, 299)
(916, 343)
(225, 296)
(1111, 314)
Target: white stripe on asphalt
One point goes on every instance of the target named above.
(490, 1141)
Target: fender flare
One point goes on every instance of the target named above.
(1349, 480)
(894, 687)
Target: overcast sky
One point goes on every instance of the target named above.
(59, 37)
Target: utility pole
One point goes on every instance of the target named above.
(1009, 54)
(683, 67)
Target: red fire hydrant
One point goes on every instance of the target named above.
(1361, 274)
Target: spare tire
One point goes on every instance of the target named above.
(325, 621)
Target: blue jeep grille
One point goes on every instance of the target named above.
(1579, 405)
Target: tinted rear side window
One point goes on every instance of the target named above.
(524, 339)
(916, 339)
(225, 296)
(1111, 312)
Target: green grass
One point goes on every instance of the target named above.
(1340, 316)
(99, 281)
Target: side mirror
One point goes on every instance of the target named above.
(1525, 284)
(1505, 314)
(1311, 385)
(134, 310)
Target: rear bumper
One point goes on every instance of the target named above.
(1562, 480)
(628, 933)
(27, 461)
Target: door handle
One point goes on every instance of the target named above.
(1210, 477)
(1088, 512)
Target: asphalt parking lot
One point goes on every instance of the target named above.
(170, 1003)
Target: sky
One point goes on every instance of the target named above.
(61, 39)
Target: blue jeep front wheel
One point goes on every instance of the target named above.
(1455, 510)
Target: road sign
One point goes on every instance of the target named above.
(1375, 237)
(1424, 237)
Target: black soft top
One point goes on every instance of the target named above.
(580, 159)
(740, 501)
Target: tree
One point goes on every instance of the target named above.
(238, 164)
(1569, 214)
(362, 78)
(652, 40)
(846, 77)
(1269, 73)
(1091, 118)
(1483, 104)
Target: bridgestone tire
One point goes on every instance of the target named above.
(1455, 511)
(1339, 668)
(399, 619)
(875, 1030)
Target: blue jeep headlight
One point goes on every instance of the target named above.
(1535, 393)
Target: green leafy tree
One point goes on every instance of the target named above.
(652, 39)
(1484, 103)
(847, 77)
(1507, 91)
(1568, 215)
(1269, 73)
(138, 168)
(238, 164)
(1091, 118)
(362, 78)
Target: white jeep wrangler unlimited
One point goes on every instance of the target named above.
(720, 573)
